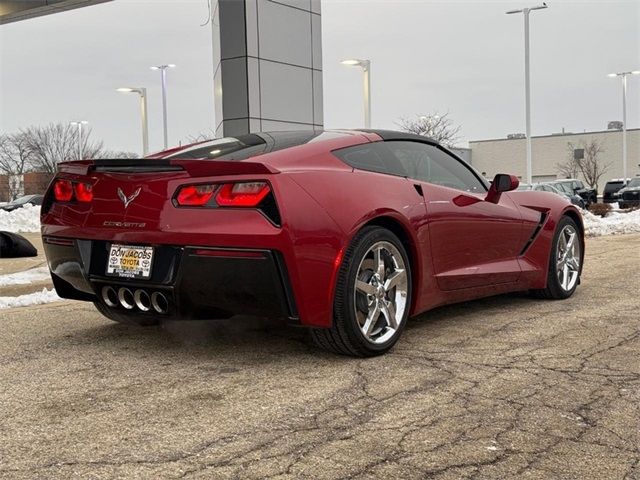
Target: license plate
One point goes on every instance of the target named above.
(130, 262)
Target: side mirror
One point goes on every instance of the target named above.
(501, 183)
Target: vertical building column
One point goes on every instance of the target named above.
(268, 65)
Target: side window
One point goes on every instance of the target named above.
(430, 164)
(372, 157)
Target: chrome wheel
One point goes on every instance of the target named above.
(380, 292)
(568, 257)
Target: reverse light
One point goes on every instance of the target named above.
(63, 190)
(246, 194)
(84, 192)
(195, 195)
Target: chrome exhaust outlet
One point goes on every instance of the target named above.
(159, 302)
(110, 296)
(142, 300)
(126, 298)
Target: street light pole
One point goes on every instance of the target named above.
(143, 115)
(624, 76)
(527, 83)
(79, 124)
(366, 71)
(163, 75)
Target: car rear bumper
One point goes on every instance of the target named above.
(198, 283)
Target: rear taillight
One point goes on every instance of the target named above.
(242, 194)
(248, 194)
(84, 192)
(195, 195)
(66, 191)
(63, 190)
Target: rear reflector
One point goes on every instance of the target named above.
(65, 242)
(248, 194)
(195, 195)
(206, 252)
(63, 190)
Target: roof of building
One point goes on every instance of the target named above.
(553, 135)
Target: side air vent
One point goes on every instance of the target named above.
(543, 218)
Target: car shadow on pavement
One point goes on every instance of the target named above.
(251, 337)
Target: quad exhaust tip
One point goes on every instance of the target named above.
(135, 299)
(159, 302)
(142, 300)
(125, 296)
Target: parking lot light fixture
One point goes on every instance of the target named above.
(366, 70)
(527, 81)
(143, 114)
(163, 74)
(623, 76)
(79, 124)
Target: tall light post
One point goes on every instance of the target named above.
(79, 124)
(366, 70)
(143, 114)
(527, 81)
(623, 76)
(163, 74)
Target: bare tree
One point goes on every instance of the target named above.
(58, 142)
(15, 154)
(114, 154)
(591, 165)
(570, 168)
(437, 127)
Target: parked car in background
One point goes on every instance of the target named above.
(629, 196)
(547, 187)
(611, 192)
(21, 202)
(576, 187)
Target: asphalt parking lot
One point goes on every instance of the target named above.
(507, 387)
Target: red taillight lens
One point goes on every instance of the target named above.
(248, 194)
(195, 195)
(63, 190)
(84, 192)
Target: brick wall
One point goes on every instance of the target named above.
(34, 183)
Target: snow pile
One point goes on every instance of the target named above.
(615, 223)
(37, 298)
(26, 277)
(25, 219)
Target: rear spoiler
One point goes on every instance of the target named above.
(195, 168)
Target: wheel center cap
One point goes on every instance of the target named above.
(380, 292)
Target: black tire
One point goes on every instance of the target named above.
(127, 319)
(554, 290)
(345, 336)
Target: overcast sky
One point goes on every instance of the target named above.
(461, 57)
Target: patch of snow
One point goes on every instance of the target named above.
(615, 223)
(492, 448)
(37, 298)
(25, 219)
(26, 277)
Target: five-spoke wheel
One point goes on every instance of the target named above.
(372, 297)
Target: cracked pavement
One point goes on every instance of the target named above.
(506, 387)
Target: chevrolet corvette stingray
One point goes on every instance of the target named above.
(348, 233)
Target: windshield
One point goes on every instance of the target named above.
(613, 186)
(21, 200)
(634, 183)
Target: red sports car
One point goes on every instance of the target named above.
(348, 233)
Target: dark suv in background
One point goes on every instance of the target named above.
(612, 187)
(573, 186)
(629, 196)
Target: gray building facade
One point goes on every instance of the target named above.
(268, 65)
